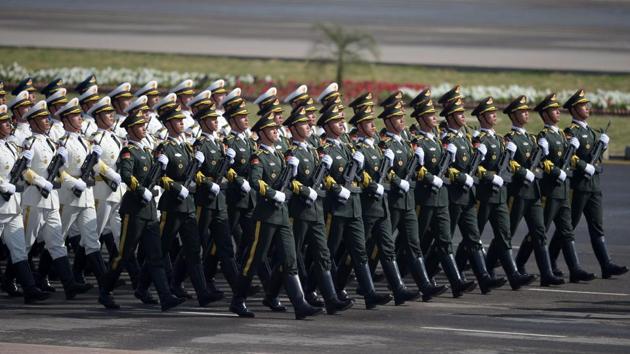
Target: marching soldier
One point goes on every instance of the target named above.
(587, 194)
(54, 102)
(11, 221)
(218, 90)
(376, 220)
(18, 106)
(343, 202)
(76, 196)
(87, 98)
(185, 92)
(492, 193)
(300, 98)
(269, 103)
(138, 212)
(42, 219)
(524, 191)
(432, 196)
(150, 89)
(271, 216)
(120, 99)
(555, 189)
(26, 85)
(3, 94)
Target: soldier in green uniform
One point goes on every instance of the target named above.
(555, 189)
(432, 197)
(177, 205)
(343, 205)
(139, 215)
(492, 194)
(524, 191)
(269, 103)
(587, 192)
(306, 210)
(271, 217)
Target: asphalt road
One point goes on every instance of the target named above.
(534, 34)
(573, 318)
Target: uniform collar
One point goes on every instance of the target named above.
(302, 144)
(581, 123)
(427, 134)
(519, 129)
(397, 137)
(136, 143)
(209, 136)
(368, 141)
(178, 140)
(337, 142)
(488, 131)
(458, 132)
(240, 135)
(271, 149)
(73, 135)
(553, 128)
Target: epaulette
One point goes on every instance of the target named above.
(125, 152)
(63, 140)
(510, 134)
(29, 141)
(94, 136)
(259, 152)
(568, 131)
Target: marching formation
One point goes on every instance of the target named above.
(179, 186)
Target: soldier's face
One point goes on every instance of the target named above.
(5, 128)
(396, 124)
(106, 120)
(336, 128)
(490, 118)
(218, 98)
(242, 122)
(459, 118)
(368, 128)
(31, 96)
(278, 118)
(72, 123)
(176, 126)
(301, 130)
(21, 110)
(137, 132)
(121, 104)
(40, 124)
(152, 100)
(312, 120)
(521, 116)
(428, 120)
(147, 115)
(271, 134)
(211, 124)
(552, 116)
(582, 110)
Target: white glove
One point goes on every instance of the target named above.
(327, 160)
(183, 194)
(437, 182)
(163, 160)
(294, 162)
(312, 194)
(420, 153)
(562, 176)
(380, 189)
(45, 185)
(215, 189)
(483, 149)
(245, 186)
(7, 187)
(231, 154)
(359, 158)
(279, 197)
(604, 138)
(389, 154)
(497, 181)
(28, 155)
(113, 176)
(199, 157)
(79, 185)
(575, 142)
(98, 150)
(529, 176)
(61, 151)
(344, 193)
(589, 169)
(147, 195)
(511, 147)
(453, 150)
(404, 185)
(469, 180)
(544, 145)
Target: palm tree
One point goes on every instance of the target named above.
(343, 47)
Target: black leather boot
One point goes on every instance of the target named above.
(555, 246)
(486, 282)
(178, 275)
(458, 286)
(516, 279)
(401, 293)
(237, 305)
(544, 266)
(167, 299)
(198, 280)
(576, 273)
(272, 290)
(421, 277)
(44, 267)
(9, 285)
(32, 293)
(70, 287)
(527, 246)
(142, 291)
(608, 267)
(332, 301)
(461, 258)
(108, 240)
(230, 271)
(95, 259)
(372, 299)
(296, 295)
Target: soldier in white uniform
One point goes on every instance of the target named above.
(87, 98)
(121, 99)
(11, 221)
(218, 93)
(41, 214)
(154, 126)
(3, 93)
(19, 105)
(77, 197)
(54, 102)
(185, 91)
(140, 105)
(107, 189)
(25, 85)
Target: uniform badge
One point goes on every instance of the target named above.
(178, 155)
(307, 172)
(143, 157)
(494, 157)
(242, 161)
(145, 168)
(399, 151)
(338, 157)
(432, 149)
(527, 154)
(374, 157)
(180, 166)
(214, 162)
(241, 149)
(465, 158)
(400, 163)
(493, 146)
(340, 168)
(434, 160)
(273, 175)
(375, 168)
(559, 153)
(525, 143)
(212, 151)
(588, 146)
(272, 164)
(585, 136)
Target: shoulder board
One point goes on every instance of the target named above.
(568, 131)
(509, 134)
(254, 158)
(386, 138)
(125, 153)
(95, 135)
(229, 137)
(28, 142)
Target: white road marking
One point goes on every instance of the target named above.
(494, 332)
(213, 314)
(577, 292)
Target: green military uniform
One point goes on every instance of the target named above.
(524, 197)
(271, 217)
(139, 222)
(178, 212)
(587, 193)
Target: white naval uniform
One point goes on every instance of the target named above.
(154, 125)
(56, 131)
(118, 130)
(107, 202)
(41, 215)
(192, 130)
(21, 132)
(78, 209)
(11, 221)
(88, 127)
(224, 126)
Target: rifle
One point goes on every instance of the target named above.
(566, 160)
(190, 172)
(87, 175)
(445, 162)
(476, 160)
(533, 164)
(411, 167)
(349, 173)
(282, 182)
(16, 173)
(502, 171)
(597, 152)
(53, 171)
(318, 178)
